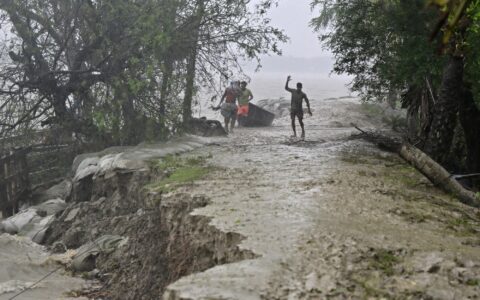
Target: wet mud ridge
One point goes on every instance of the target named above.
(125, 226)
(331, 218)
(160, 240)
(164, 241)
(259, 215)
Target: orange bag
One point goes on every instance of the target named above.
(242, 110)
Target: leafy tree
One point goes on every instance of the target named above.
(385, 44)
(224, 33)
(109, 68)
(381, 43)
(59, 53)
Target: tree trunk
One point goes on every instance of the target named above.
(164, 89)
(425, 164)
(170, 27)
(127, 133)
(190, 85)
(130, 130)
(437, 174)
(445, 111)
(164, 92)
(192, 63)
(469, 116)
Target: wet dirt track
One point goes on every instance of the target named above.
(331, 217)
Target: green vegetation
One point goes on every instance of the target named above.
(473, 282)
(424, 52)
(463, 226)
(413, 215)
(122, 71)
(370, 288)
(177, 171)
(405, 173)
(384, 260)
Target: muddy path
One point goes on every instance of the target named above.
(331, 217)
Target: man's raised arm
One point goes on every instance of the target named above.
(286, 84)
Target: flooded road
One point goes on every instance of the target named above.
(331, 217)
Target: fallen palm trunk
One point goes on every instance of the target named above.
(426, 165)
(437, 174)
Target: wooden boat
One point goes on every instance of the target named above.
(257, 117)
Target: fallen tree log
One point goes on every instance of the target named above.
(426, 165)
(437, 174)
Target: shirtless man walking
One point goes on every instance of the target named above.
(296, 109)
(229, 108)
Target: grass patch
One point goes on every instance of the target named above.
(403, 174)
(369, 289)
(407, 181)
(369, 159)
(414, 217)
(473, 282)
(462, 226)
(385, 261)
(178, 171)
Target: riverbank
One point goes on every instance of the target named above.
(259, 215)
(332, 217)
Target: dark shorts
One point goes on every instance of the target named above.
(298, 114)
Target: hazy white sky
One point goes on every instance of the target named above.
(293, 16)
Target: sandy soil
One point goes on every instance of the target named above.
(331, 217)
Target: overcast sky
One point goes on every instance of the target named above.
(293, 16)
(303, 53)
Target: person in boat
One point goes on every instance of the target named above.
(296, 106)
(244, 99)
(229, 108)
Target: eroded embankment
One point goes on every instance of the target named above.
(333, 218)
(164, 241)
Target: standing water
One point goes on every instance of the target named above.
(23, 263)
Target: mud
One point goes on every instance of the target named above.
(332, 217)
(163, 241)
(126, 237)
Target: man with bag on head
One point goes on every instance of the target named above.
(229, 108)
